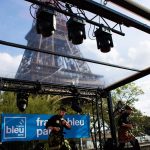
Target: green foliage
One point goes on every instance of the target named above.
(128, 93)
(138, 120)
(146, 125)
(37, 104)
(8, 103)
(42, 104)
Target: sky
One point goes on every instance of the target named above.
(131, 50)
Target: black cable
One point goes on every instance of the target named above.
(89, 33)
(105, 3)
(83, 13)
(58, 5)
(30, 9)
(93, 32)
(120, 27)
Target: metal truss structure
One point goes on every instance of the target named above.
(15, 85)
(92, 96)
(95, 95)
(95, 98)
(133, 7)
(99, 10)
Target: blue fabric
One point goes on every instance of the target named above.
(26, 127)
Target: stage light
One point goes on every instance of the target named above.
(45, 22)
(22, 100)
(76, 30)
(76, 106)
(104, 39)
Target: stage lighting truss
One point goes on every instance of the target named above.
(22, 100)
(45, 21)
(76, 30)
(104, 39)
(79, 11)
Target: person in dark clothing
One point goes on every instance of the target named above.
(124, 130)
(56, 124)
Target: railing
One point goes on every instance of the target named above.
(144, 146)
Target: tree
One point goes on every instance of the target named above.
(8, 103)
(146, 124)
(128, 93)
(39, 104)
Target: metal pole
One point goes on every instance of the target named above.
(81, 143)
(94, 127)
(129, 79)
(103, 122)
(111, 118)
(133, 7)
(98, 120)
(64, 55)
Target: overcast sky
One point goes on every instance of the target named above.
(131, 50)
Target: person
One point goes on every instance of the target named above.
(56, 124)
(124, 131)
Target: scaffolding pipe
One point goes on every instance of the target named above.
(133, 7)
(94, 126)
(63, 55)
(98, 121)
(129, 79)
(111, 118)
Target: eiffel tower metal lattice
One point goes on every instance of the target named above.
(37, 66)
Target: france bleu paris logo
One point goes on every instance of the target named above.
(15, 127)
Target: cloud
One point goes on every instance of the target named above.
(111, 74)
(136, 56)
(139, 56)
(90, 50)
(9, 64)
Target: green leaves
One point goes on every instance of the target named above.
(39, 104)
(128, 93)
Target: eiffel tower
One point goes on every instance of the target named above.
(37, 66)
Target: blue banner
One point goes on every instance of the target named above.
(26, 127)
